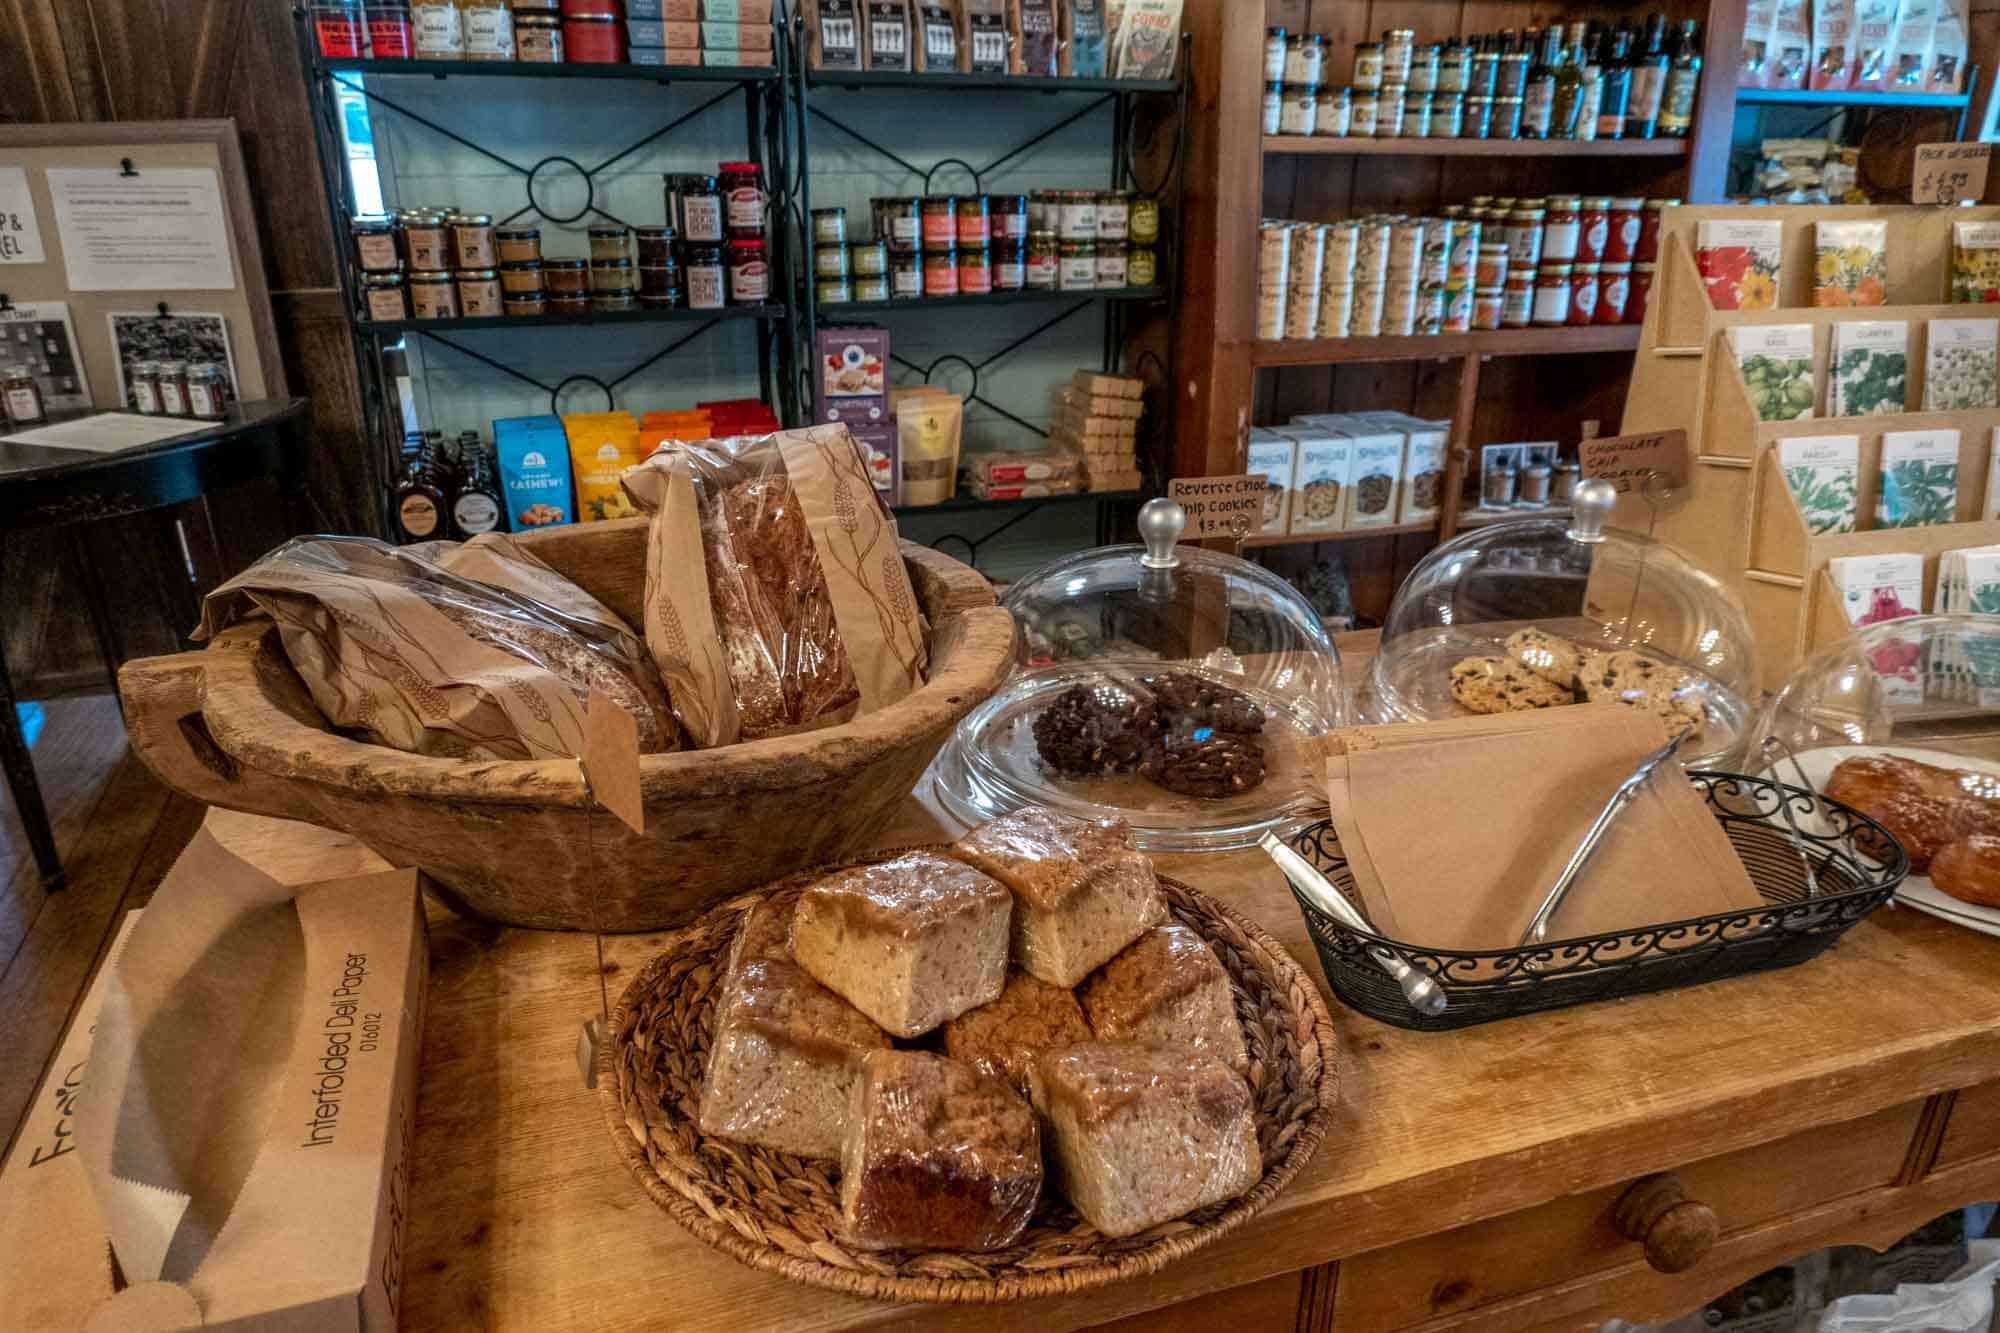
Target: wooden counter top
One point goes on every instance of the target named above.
(523, 1218)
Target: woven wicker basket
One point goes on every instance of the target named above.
(781, 1213)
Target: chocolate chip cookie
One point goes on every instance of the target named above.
(1502, 685)
(1187, 699)
(1093, 730)
(1206, 762)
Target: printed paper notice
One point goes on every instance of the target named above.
(1219, 506)
(1949, 173)
(163, 229)
(20, 236)
(107, 432)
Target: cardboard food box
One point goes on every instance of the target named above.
(1319, 486)
(245, 1118)
(1274, 458)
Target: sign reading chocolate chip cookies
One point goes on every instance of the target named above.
(1219, 506)
(1625, 460)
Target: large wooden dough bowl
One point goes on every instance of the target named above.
(512, 840)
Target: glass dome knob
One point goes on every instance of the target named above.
(1161, 523)
(1590, 507)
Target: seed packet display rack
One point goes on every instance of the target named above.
(1737, 515)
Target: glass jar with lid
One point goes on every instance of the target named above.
(424, 239)
(173, 382)
(1367, 67)
(433, 295)
(1424, 68)
(1398, 48)
(142, 386)
(1591, 590)
(1173, 687)
(383, 297)
(22, 396)
(207, 391)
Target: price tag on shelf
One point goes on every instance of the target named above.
(1946, 173)
(1625, 460)
(1225, 507)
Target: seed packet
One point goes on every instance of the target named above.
(1874, 37)
(1833, 44)
(1991, 509)
(1975, 263)
(1868, 368)
(1959, 357)
(1739, 262)
(1909, 58)
(1919, 483)
(1777, 365)
(1947, 71)
(1758, 16)
(1851, 263)
(1879, 587)
(1790, 56)
(1823, 473)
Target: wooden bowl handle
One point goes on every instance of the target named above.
(162, 698)
(1675, 1230)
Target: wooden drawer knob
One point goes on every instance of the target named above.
(1675, 1230)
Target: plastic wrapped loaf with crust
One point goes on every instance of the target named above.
(1144, 1134)
(480, 651)
(1167, 988)
(765, 932)
(1081, 894)
(1006, 1036)
(909, 942)
(785, 1056)
(938, 1155)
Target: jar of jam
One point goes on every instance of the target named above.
(940, 223)
(1076, 266)
(1622, 245)
(383, 297)
(374, 244)
(1078, 221)
(1009, 214)
(566, 305)
(23, 397)
(207, 391)
(1647, 250)
(142, 384)
(1110, 265)
(832, 291)
(593, 39)
(1560, 224)
(1593, 228)
(1142, 226)
(1398, 49)
(563, 278)
(1141, 266)
(900, 222)
(489, 29)
(871, 289)
(1583, 280)
(1361, 114)
(829, 261)
(538, 39)
(425, 242)
(704, 277)
(610, 245)
(1614, 292)
(1524, 238)
(1491, 267)
(1044, 263)
(1009, 266)
(868, 259)
(906, 276)
(975, 270)
(433, 295)
(1457, 310)
(614, 302)
(1642, 289)
(390, 33)
(695, 205)
(472, 240)
(1486, 307)
(1333, 112)
(518, 245)
(1367, 67)
(1517, 299)
(1389, 108)
(440, 29)
(655, 244)
(478, 293)
(974, 226)
(661, 283)
(1552, 283)
(525, 303)
(829, 226)
(612, 275)
(521, 279)
(941, 272)
(749, 272)
(743, 198)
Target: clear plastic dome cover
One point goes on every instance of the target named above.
(1174, 687)
(1543, 612)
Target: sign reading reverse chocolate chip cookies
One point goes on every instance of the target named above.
(1625, 460)
(1219, 506)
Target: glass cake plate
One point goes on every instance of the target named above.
(1163, 680)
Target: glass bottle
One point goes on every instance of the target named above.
(475, 506)
(1567, 94)
(1649, 81)
(1590, 99)
(1677, 102)
(1512, 79)
(23, 397)
(1617, 85)
(173, 388)
(1538, 103)
(420, 505)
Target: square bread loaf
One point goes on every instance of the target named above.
(1006, 1036)
(765, 932)
(1167, 988)
(1144, 1134)
(910, 942)
(1080, 893)
(782, 1068)
(938, 1155)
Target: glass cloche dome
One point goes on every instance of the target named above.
(1541, 612)
(1176, 688)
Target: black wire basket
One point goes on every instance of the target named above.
(1777, 830)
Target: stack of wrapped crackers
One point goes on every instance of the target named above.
(1099, 419)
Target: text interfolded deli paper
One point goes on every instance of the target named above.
(1520, 801)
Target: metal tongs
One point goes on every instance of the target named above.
(1419, 988)
(1628, 790)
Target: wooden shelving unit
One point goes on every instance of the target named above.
(1317, 146)
(1446, 346)
(1350, 535)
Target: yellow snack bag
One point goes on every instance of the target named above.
(601, 446)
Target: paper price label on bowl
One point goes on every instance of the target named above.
(1626, 461)
(1219, 506)
(1946, 173)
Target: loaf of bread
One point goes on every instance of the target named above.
(909, 942)
(785, 1056)
(1081, 893)
(765, 933)
(1006, 1036)
(1969, 870)
(938, 1155)
(1145, 1134)
(1167, 988)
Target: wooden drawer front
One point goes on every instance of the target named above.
(1270, 1306)
(1973, 1128)
(1572, 1237)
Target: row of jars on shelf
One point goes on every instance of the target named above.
(537, 31)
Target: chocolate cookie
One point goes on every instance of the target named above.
(1188, 700)
(1090, 731)
(1205, 761)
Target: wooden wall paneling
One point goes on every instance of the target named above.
(1715, 104)
(46, 68)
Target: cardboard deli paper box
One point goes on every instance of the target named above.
(239, 1122)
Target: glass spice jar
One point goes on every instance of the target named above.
(703, 267)
(1447, 115)
(940, 223)
(1142, 225)
(1274, 107)
(1552, 283)
(1582, 294)
(538, 39)
(472, 244)
(614, 302)
(23, 397)
(1641, 291)
(440, 29)
(1498, 486)
(425, 243)
(975, 270)
(1304, 53)
(1593, 228)
(1274, 55)
(975, 225)
(1044, 263)
(743, 201)
(433, 295)
(1398, 48)
(1614, 291)
(522, 279)
(1535, 481)
(207, 391)
(518, 245)
(941, 272)
(489, 29)
(390, 34)
(661, 283)
(142, 385)
(374, 244)
(749, 271)
(1076, 266)
(383, 297)
(173, 388)
(1622, 243)
(1454, 67)
(1417, 116)
(566, 277)
(900, 223)
(906, 276)
(1517, 299)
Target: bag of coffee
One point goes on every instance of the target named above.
(834, 31)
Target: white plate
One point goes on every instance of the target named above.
(1916, 890)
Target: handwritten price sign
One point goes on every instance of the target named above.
(1946, 173)
(1219, 506)
(1626, 460)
